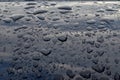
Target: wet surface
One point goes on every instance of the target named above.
(59, 41)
